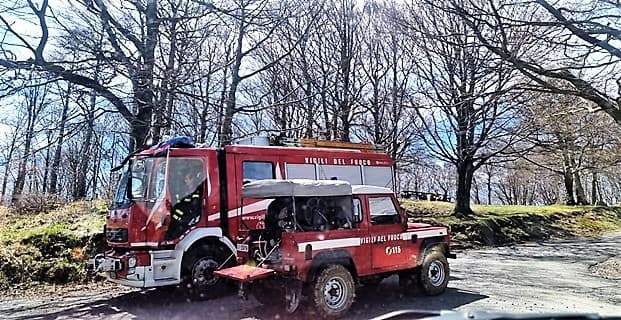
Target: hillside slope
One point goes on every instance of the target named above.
(499, 225)
(49, 247)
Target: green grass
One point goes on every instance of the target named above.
(78, 219)
(446, 208)
(49, 247)
(521, 222)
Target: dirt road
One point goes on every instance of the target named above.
(552, 276)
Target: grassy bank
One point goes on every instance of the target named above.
(49, 247)
(499, 225)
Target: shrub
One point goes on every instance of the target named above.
(36, 203)
(53, 241)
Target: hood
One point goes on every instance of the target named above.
(418, 225)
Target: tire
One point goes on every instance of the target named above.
(434, 273)
(275, 293)
(333, 292)
(268, 293)
(197, 273)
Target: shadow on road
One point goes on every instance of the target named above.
(154, 304)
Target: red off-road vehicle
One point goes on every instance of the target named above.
(321, 238)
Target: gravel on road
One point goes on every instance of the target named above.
(555, 276)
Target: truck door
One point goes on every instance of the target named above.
(388, 250)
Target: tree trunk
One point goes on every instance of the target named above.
(568, 180)
(229, 113)
(20, 181)
(594, 198)
(7, 166)
(167, 89)
(581, 198)
(477, 196)
(59, 147)
(81, 175)
(230, 105)
(143, 87)
(34, 100)
(96, 166)
(465, 172)
(46, 167)
(489, 187)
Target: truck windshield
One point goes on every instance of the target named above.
(148, 181)
(120, 195)
(138, 171)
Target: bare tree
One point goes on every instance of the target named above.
(34, 100)
(128, 50)
(569, 50)
(466, 103)
(571, 144)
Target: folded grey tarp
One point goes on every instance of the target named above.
(271, 188)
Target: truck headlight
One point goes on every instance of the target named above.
(131, 262)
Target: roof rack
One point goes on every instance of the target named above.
(291, 142)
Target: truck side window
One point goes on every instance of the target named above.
(257, 170)
(383, 211)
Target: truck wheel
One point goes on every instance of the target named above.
(268, 293)
(333, 291)
(277, 293)
(197, 271)
(434, 273)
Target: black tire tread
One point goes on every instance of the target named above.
(317, 291)
(200, 251)
(425, 285)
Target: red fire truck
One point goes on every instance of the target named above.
(175, 216)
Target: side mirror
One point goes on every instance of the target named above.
(357, 217)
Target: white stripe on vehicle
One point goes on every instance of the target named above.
(143, 244)
(330, 244)
(356, 242)
(247, 209)
(424, 234)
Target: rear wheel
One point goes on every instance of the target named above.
(278, 293)
(333, 291)
(198, 267)
(268, 292)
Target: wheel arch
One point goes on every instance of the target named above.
(325, 258)
(431, 243)
(196, 237)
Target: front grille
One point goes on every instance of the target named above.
(116, 235)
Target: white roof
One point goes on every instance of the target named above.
(270, 188)
(366, 189)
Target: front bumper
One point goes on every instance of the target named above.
(163, 269)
